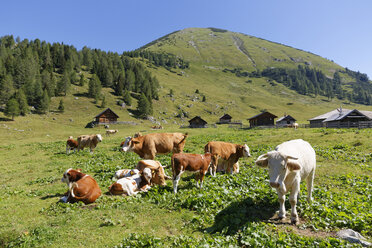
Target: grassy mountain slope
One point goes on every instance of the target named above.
(216, 47)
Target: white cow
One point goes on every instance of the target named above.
(291, 162)
(133, 184)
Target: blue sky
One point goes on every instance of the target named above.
(339, 30)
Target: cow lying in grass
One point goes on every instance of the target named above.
(111, 131)
(182, 162)
(90, 141)
(125, 173)
(71, 144)
(290, 163)
(81, 187)
(133, 184)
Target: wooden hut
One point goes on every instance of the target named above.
(106, 116)
(197, 122)
(340, 118)
(262, 119)
(285, 121)
(225, 119)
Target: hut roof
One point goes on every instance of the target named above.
(263, 113)
(108, 109)
(226, 116)
(286, 117)
(198, 118)
(338, 114)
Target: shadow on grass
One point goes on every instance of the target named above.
(232, 219)
(51, 196)
(85, 94)
(5, 119)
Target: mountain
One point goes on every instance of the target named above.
(222, 48)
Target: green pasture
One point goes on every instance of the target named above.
(230, 211)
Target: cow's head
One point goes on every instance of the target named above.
(99, 137)
(246, 151)
(279, 164)
(147, 175)
(71, 175)
(126, 144)
(158, 176)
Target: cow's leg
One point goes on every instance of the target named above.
(176, 181)
(281, 198)
(214, 164)
(202, 174)
(293, 201)
(309, 181)
(67, 149)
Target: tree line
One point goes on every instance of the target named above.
(31, 72)
(159, 59)
(311, 81)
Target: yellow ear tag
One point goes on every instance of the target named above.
(131, 173)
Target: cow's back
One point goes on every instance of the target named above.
(223, 149)
(163, 142)
(303, 151)
(87, 190)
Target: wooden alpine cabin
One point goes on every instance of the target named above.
(263, 119)
(106, 116)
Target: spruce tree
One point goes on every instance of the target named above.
(12, 108)
(82, 80)
(22, 101)
(103, 104)
(44, 104)
(61, 106)
(95, 87)
(6, 88)
(143, 107)
(127, 98)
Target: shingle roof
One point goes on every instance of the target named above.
(335, 115)
(262, 114)
(108, 109)
(286, 117)
(326, 115)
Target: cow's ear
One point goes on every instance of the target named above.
(262, 160)
(135, 141)
(293, 165)
(79, 170)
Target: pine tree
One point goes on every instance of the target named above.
(103, 104)
(143, 107)
(61, 106)
(127, 98)
(82, 80)
(6, 88)
(12, 108)
(204, 99)
(44, 104)
(22, 102)
(94, 87)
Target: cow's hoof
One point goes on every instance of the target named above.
(294, 221)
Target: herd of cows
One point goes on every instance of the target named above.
(290, 163)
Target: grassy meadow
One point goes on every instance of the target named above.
(231, 210)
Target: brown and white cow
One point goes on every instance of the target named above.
(290, 163)
(81, 187)
(71, 144)
(147, 146)
(125, 173)
(111, 131)
(133, 184)
(90, 141)
(158, 173)
(182, 162)
(226, 151)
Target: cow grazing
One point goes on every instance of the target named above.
(133, 184)
(81, 187)
(125, 173)
(290, 163)
(71, 144)
(111, 131)
(182, 162)
(158, 173)
(90, 141)
(226, 151)
(147, 146)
